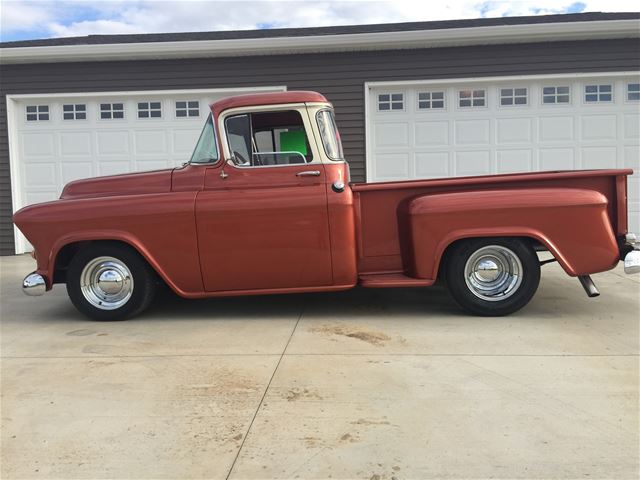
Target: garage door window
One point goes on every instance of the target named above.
(430, 100)
(109, 111)
(186, 109)
(513, 96)
(76, 111)
(633, 92)
(390, 101)
(149, 110)
(37, 113)
(472, 98)
(597, 93)
(557, 95)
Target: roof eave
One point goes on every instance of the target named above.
(504, 34)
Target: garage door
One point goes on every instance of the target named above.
(502, 125)
(57, 139)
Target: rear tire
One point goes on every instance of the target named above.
(110, 282)
(492, 276)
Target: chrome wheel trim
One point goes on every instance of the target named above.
(493, 273)
(106, 283)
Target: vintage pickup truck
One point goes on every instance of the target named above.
(265, 206)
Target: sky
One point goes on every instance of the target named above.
(31, 19)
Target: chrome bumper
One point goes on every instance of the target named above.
(34, 285)
(632, 258)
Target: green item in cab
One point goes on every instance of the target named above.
(293, 142)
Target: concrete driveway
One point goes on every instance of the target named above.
(363, 384)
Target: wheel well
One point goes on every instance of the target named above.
(66, 254)
(534, 243)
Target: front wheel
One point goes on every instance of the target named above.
(492, 276)
(110, 282)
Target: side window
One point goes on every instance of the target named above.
(265, 139)
(206, 150)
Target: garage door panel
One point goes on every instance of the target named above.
(432, 164)
(473, 163)
(510, 161)
(392, 135)
(113, 143)
(75, 144)
(150, 142)
(514, 130)
(183, 142)
(472, 132)
(76, 170)
(598, 157)
(392, 166)
(556, 129)
(432, 133)
(557, 159)
(38, 144)
(632, 126)
(42, 174)
(113, 168)
(598, 127)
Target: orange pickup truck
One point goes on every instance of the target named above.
(265, 206)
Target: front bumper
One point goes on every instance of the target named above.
(632, 255)
(34, 285)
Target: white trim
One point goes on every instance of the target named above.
(20, 241)
(495, 34)
(368, 86)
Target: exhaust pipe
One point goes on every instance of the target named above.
(589, 286)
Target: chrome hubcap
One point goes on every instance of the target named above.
(493, 273)
(106, 283)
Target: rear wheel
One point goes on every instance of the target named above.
(110, 282)
(492, 276)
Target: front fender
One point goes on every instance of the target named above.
(572, 223)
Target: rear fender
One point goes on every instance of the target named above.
(572, 224)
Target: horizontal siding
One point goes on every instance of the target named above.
(339, 76)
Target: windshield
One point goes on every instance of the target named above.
(330, 135)
(206, 150)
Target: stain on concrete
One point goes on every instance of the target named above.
(296, 394)
(359, 333)
(83, 332)
(364, 421)
(348, 438)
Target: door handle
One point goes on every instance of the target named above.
(308, 173)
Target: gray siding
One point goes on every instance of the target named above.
(339, 76)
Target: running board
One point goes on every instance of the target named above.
(589, 286)
(392, 280)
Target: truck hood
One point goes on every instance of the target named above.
(158, 181)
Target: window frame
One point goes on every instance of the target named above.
(186, 109)
(628, 100)
(216, 141)
(37, 113)
(430, 100)
(597, 93)
(473, 90)
(390, 102)
(149, 110)
(112, 111)
(74, 111)
(555, 95)
(316, 158)
(513, 96)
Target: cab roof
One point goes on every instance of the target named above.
(273, 98)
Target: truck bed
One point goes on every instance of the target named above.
(379, 206)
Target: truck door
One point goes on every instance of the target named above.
(262, 217)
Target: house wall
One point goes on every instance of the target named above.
(339, 76)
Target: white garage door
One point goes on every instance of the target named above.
(56, 139)
(501, 125)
